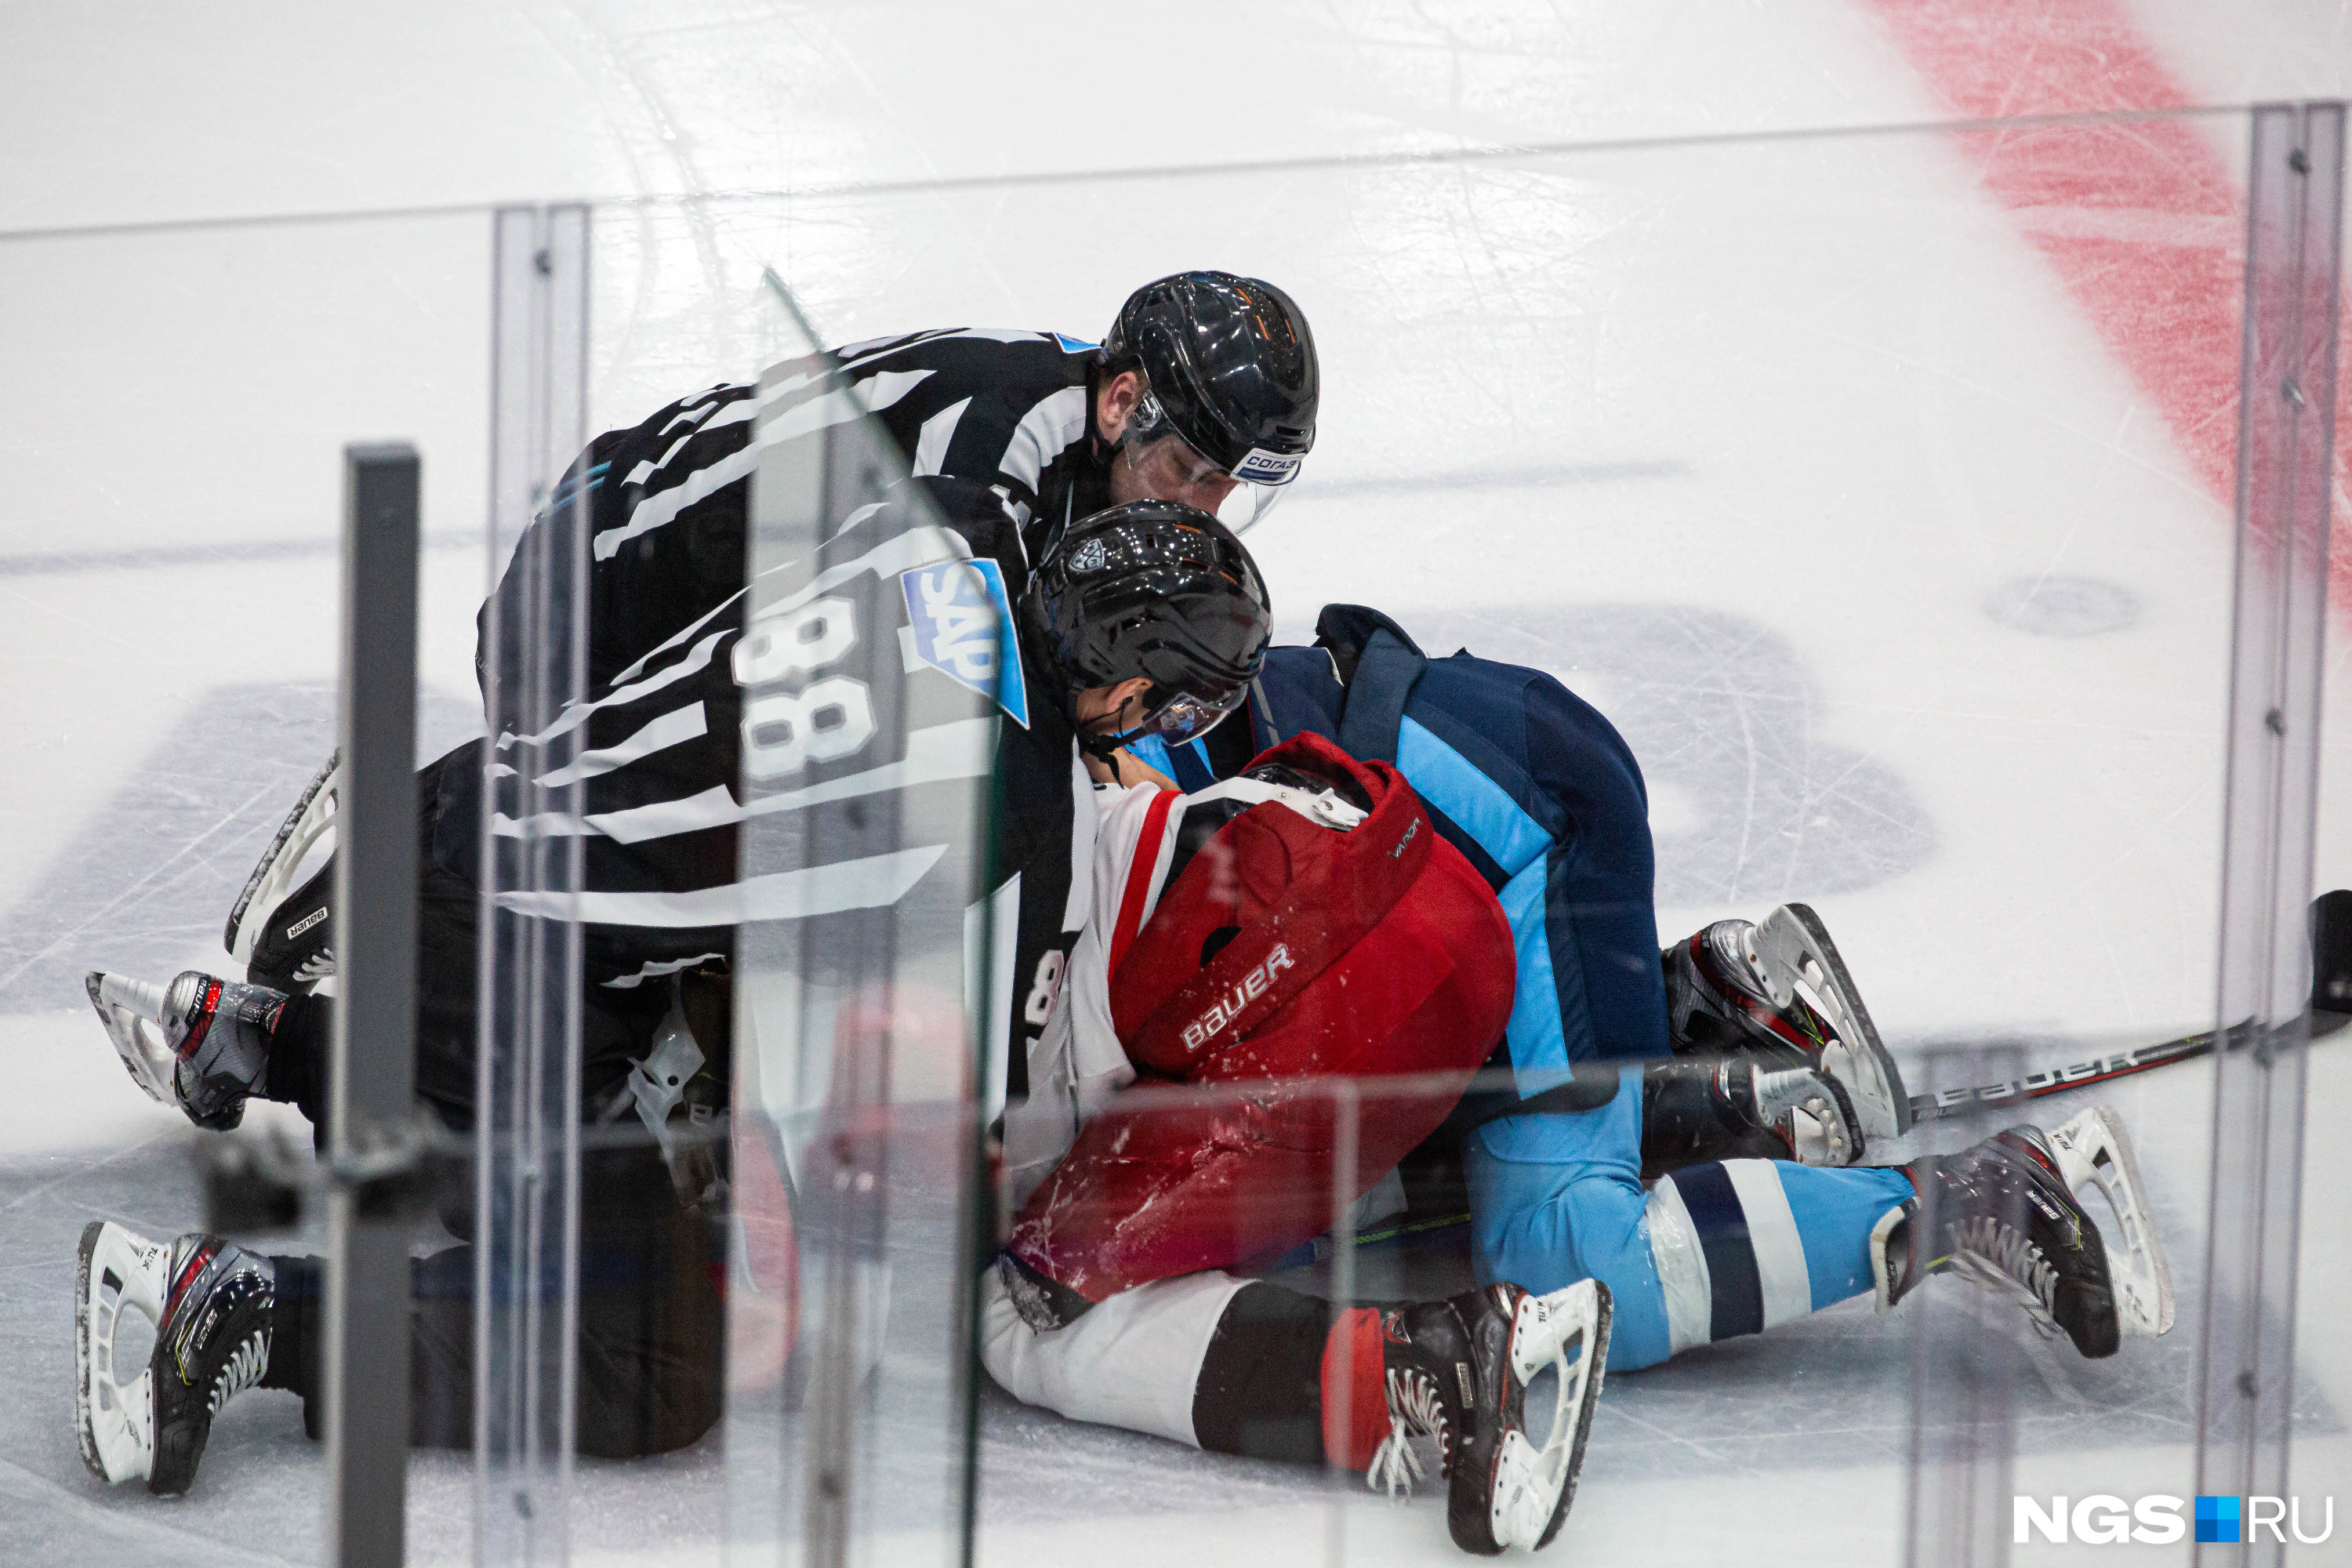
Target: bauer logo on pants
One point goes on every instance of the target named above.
(1228, 1007)
(961, 622)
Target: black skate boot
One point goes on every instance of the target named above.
(1698, 1109)
(283, 933)
(200, 1043)
(293, 951)
(207, 1306)
(1781, 992)
(2003, 1213)
(1457, 1371)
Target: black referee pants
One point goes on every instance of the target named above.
(652, 1324)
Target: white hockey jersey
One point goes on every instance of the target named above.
(1146, 837)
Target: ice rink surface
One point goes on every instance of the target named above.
(1865, 477)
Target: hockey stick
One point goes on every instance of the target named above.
(2104, 1069)
(1594, 1084)
(270, 858)
(2330, 1010)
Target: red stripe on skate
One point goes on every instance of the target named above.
(204, 1024)
(2143, 223)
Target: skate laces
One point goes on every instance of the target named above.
(1416, 1407)
(2004, 1260)
(241, 1372)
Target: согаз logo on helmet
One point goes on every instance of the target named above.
(1268, 468)
(961, 621)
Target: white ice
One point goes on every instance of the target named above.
(1789, 455)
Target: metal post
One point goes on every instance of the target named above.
(372, 1079)
(527, 1084)
(1347, 1156)
(2286, 434)
(1966, 1366)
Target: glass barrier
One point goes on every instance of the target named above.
(178, 405)
(858, 687)
(1847, 533)
(1873, 489)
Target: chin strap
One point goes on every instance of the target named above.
(1102, 748)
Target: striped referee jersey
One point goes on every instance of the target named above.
(851, 706)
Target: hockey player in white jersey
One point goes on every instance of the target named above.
(1255, 942)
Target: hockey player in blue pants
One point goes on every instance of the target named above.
(1741, 1075)
(1712, 1251)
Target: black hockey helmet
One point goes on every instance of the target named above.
(1154, 589)
(1230, 368)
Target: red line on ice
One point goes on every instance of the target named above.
(2142, 222)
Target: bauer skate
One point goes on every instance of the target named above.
(200, 1043)
(2003, 1214)
(1699, 1108)
(1457, 1371)
(1780, 991)
(205, 1308)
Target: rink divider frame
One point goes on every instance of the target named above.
(372, 1068)
(1965, 1361)
(2287, 399)
(527, 1133)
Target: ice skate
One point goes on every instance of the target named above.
(1457, 1372)
(280, 932)
(1780, 991)
(1699, 1108)
(2092, 1149)
(200, 1043)
(197, 1313)
(2004, 1215)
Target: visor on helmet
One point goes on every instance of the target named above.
(1239, 497)
(1184, 716)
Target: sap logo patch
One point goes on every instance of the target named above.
(1071, 345)
(1266, 467)
(963, 623)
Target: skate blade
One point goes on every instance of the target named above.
(1795, 943)
(1567, 1331)
(116, 1272)
(2093, 1150)
(281, 863)
(129, 1010)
